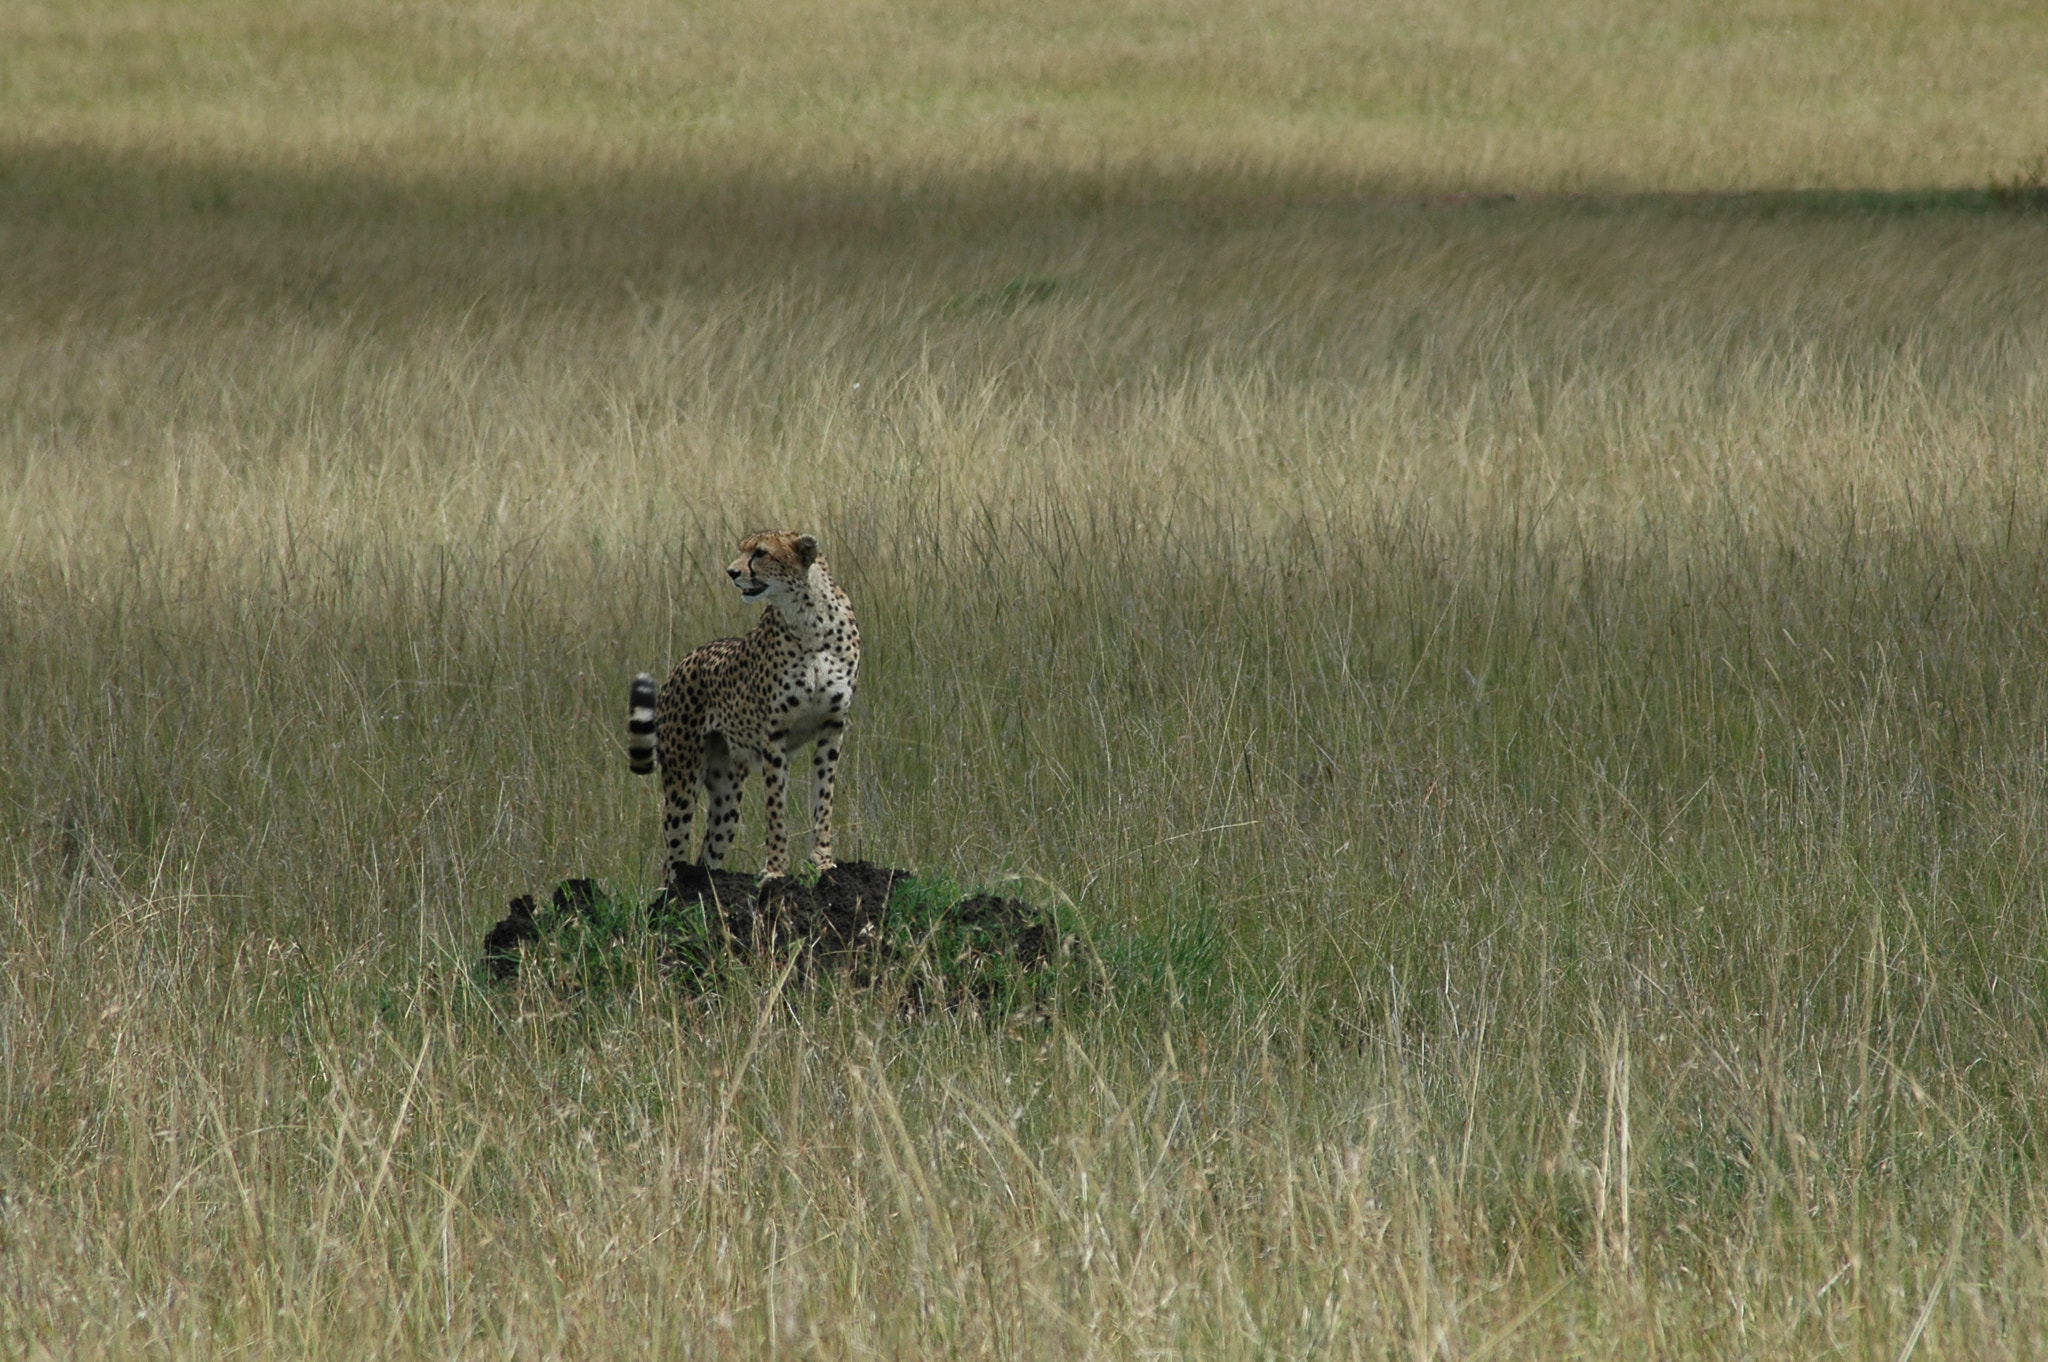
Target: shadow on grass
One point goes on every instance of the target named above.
(138, 234)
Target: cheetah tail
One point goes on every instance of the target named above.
(640, 724)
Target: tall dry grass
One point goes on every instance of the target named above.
(1536, 707)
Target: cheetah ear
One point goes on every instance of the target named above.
(806, 549)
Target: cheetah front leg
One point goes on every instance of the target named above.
(775, 787)
(824, 767)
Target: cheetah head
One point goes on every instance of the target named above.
(773, 564)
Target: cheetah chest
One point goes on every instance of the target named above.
(815, 690)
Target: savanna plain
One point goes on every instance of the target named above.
(1488, 562)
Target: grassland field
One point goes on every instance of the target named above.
(1490, 561)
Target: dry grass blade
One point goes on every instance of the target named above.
(1531, 705)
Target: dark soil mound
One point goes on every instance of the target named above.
(874, 919)
(847, 901)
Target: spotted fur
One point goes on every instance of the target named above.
(738, 705)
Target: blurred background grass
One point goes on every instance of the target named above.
(1538, 701)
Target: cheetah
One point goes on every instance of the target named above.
(740, 704)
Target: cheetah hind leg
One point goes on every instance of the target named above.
(722, 779)
(680, 760)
